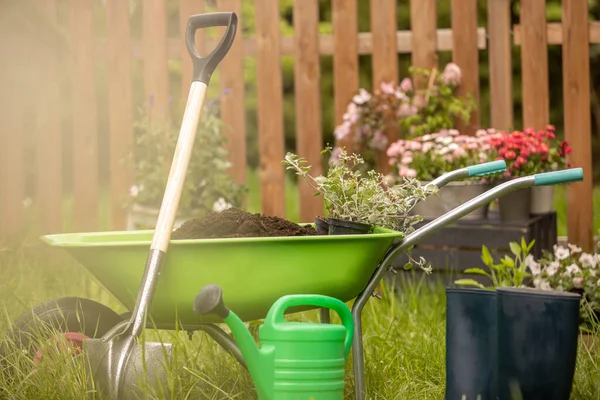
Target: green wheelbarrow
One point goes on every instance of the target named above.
(158, 279)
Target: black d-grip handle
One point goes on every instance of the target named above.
(205, 66)
(210, 301)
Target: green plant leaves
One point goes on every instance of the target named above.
(469, 282)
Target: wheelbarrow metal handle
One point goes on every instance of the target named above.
(557, 177)
(487, 168)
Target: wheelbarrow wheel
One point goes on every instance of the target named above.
(73, 318)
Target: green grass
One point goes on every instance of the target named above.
(404, 338)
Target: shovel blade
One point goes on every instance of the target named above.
(124, 369)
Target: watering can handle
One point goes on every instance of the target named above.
(205, 66)
(276, 313)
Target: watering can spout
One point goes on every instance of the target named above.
(210, 301)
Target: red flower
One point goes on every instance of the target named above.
(510, 154)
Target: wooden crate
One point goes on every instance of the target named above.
(457, 247)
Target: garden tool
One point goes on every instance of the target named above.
(117, 358)
(537, 343)
(296, 360)
(471, 343)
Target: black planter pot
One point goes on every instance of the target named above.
(471, 338)
(321, 225)
(342, 227)
(537, 343)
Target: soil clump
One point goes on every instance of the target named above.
(235, 223)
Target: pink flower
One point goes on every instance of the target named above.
(341, 131)
(578, 282)
(406, 85)
(387, 87)
(452, 74)
(362, 97)
(379, 141)
(406, 110)
(405, 171)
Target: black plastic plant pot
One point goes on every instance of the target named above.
(321, 225)
(471, 338)
(537, 343)
(343, 227)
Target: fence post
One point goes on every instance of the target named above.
(385, 58)
(345, 58)
(534, 64)
(307, 83)
(233, 108)
(500, 62)
(423, 24)
(270, 108)
(85, 131)
(466, 55)
(120, 108)
(576, 92)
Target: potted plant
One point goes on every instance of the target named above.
(527, 153)
(208, 186)
(429, 156)
(356, 201)
(531, 333)
(414, 112)
(570, 269)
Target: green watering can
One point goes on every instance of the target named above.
(296, 360)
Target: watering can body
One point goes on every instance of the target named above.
(295, 360)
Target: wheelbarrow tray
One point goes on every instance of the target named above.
(253, 272)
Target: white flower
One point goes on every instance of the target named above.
(362, 97)
(574, 249)
(592, 272)
(587, 260)
(545, 286)
(134, 191)
(221, 205)
(560, 252)
(578, 282)
(552, 268)
(573, 269)
(533, 266)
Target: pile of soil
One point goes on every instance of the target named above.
(235, 223)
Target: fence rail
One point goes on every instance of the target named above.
(73, 106)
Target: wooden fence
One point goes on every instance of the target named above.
(28, 109)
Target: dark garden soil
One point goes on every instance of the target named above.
(235, 223)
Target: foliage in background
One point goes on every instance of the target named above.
(208, 183)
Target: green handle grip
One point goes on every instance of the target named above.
(487, 168)
(276, 313)
(557, 177)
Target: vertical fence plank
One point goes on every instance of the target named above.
(155, 40)
(188, 8)
(120, 107)
(85, 139)
(534, 64)
(231, 78)
(270, 108)
(385, 58)
(500, 64)
(345, 58)
(49, 142)
(308, 100)
(423, 22)
(576, 89)
(465, 54)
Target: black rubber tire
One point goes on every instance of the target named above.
(67, 314)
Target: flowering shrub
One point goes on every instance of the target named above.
(413, 112)
(569, 269)
(530, 152)
(431, 155)
(208, 186)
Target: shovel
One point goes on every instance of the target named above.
(117, 360)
